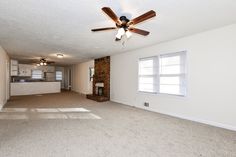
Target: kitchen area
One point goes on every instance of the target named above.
(32, 79)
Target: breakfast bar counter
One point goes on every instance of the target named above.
(33, 88)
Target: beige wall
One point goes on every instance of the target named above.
(80, 77)
(4, 77)
(211, 96)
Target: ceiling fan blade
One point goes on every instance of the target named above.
(103, 29)
(143, 17)
(111, 14)
(139, 31)
(50, 62)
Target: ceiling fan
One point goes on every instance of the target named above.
(124, 25)
(44, 62)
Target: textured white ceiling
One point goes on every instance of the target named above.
(36, 28)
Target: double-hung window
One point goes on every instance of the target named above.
(37, 74)
(163, 74)
(173, 73)
(148, 68)
(58, 75)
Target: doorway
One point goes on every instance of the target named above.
(7, 80)
(68, 78)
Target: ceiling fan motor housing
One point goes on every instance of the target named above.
(124, 18)
(124, 22)
(43, 60)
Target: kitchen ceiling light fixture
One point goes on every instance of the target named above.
(60, 55)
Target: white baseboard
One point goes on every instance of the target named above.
(81, 94)
(121, 102)
(211, 123)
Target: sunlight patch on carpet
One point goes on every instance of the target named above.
(46, 113)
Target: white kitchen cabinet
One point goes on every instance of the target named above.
(50, 69)
(14, 68)
(25, 70)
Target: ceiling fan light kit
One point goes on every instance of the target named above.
(120, 33)
(44, 62)
(128, 34)
(124, 25)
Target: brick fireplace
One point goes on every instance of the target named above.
(101, 80)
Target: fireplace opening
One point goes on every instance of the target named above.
(99, 88)
(100, 91)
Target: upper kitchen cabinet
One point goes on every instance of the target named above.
(25, 70)
(14, 68)
(50, 69)
(46, 69)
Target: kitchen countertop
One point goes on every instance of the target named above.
(35, 82)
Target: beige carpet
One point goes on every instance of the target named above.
(68, 125)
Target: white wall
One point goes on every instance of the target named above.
(211, 96)
(4, 77)
(80, 77)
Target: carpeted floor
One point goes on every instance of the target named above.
(68, 125)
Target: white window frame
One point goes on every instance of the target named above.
(184, 73)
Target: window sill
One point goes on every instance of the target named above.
(164, 94)
(143, 92)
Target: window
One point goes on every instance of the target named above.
(148, 68)
(58, 75)
(173, 73)
(37, 74)
(91, 73)
(169, 77)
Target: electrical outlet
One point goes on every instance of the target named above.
(146, 104)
